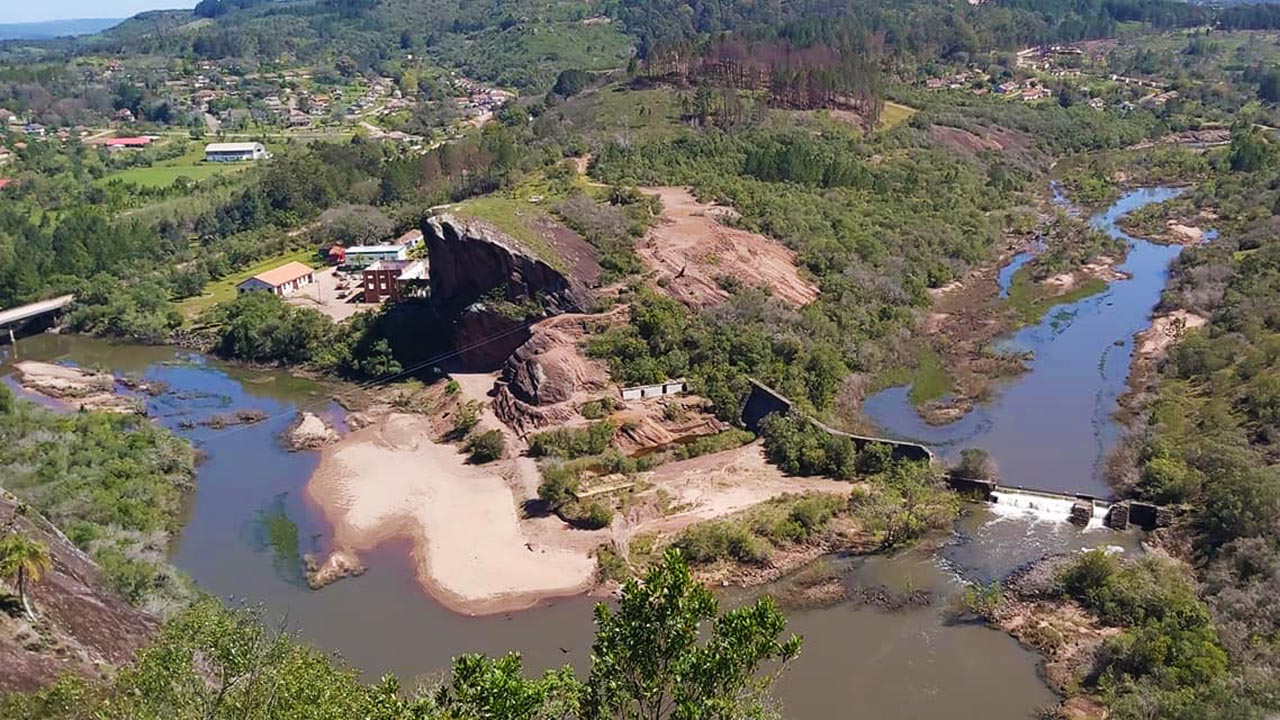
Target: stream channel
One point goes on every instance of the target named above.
(249, 522)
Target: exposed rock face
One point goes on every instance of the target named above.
(82, 627)
(549, 369)
(486, 285)
(470, 259)
(78, 388)
(547, 378)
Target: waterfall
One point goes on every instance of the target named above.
(1008, 503)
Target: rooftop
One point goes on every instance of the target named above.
(358, 249)
(232, 147)
(288, 272)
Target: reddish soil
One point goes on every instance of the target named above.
(689, 250)
(993, 138)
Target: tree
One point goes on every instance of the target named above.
(23, 560)
(650, 660)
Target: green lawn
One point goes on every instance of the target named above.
(514, 217)
(894, 115)
(224, 289)
(163, 175)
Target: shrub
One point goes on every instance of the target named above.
(569, 443)
(466, 419)
(486, 446)
(590, 516)
(599, 408)
(559, 486)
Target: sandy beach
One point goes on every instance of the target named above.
(472, 553)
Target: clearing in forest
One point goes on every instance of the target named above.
(692, 252)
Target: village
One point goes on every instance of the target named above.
(233, 115)
(1035, 74)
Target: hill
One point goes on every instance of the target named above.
(55, 28)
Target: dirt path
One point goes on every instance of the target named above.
(690, 250)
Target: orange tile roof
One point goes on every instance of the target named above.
(288, 272)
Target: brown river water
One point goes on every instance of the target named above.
(248, 524)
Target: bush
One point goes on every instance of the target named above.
(486, 446)
(569, 443)
(559, 486)
(590, 516)
(466, 419)
(599, 408)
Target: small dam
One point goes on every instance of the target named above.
(1083, 510)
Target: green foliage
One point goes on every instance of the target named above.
(260, 327)
(466, 418)
(982, 600)
(212, 663)
(559, 486)
(752, 536)
(486, 446)
(599, 408)
(1251, 152)
(573, 442)
(114, 482)
(799, 447)
(591, 515)
(905, 503)
(654, 656)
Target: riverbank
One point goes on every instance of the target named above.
(474, 547)
(390, 480)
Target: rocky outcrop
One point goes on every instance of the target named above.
(82, 626)
(78, 388)
(486, 285)
(550, 369)
(338, 565)
(309, 433)
(470, 260)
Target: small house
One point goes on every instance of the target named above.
(283, 281)
(337, 255)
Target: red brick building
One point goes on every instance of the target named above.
(392, 279)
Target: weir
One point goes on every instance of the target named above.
(1083, 510)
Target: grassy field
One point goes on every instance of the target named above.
(641, 115)
(225, 289)
(516, 218)
(164, 175)
(894, 115)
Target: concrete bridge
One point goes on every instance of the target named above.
(11, 318)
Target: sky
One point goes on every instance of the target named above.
(14, 11)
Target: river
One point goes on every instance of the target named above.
(249, 521)
(1050, 428)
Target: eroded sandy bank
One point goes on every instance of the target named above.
(471, 550)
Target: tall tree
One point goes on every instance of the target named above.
(653, 657)
(23, 560)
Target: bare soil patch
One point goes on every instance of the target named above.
(690, 250)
